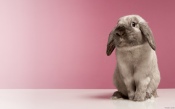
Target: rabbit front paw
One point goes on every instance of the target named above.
(139, 96)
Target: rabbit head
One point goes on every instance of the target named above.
(131, 30)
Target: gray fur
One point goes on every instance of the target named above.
(137, 74)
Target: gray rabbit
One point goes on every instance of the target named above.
(137, 74)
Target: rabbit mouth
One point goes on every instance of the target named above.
(121, 45)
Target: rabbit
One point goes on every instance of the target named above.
(137, 75)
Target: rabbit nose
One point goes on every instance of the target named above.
(120, 33)
(120, 30)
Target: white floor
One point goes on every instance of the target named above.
(79, 99)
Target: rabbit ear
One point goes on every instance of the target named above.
(147, 33)
(110, 45)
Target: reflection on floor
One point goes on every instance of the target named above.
(79, 99)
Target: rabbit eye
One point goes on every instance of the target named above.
(133, 24)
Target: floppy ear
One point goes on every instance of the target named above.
(147, 33)
(110, 44)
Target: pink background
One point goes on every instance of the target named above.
(62, 43)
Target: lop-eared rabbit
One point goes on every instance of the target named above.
(137, 74)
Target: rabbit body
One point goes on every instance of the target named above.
(137, 75)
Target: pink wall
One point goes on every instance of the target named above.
(62, 43)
